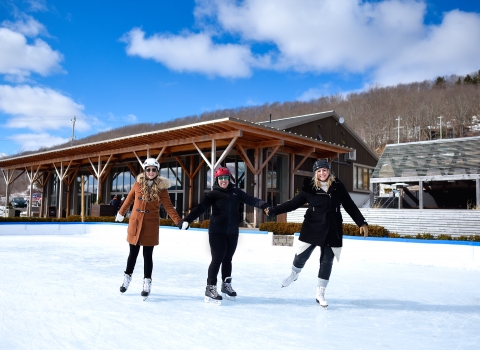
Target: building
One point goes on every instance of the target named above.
(268, 160)
(437, 174)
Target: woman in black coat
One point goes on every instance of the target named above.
(322, 225)
(223, 230)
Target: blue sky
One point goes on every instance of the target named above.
(114, 63)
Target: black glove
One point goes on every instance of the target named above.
(269, 211)
(183, 225)
(265, 206)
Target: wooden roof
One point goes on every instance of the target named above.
(181, 140)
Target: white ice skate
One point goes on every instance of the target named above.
(321, 297)
(147, 286)
(211, 295)
(227, 290)
(126, 282)
(292, 278)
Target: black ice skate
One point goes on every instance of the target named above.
(147, 285)
(211, 295)
(227, 290)
(126, 282)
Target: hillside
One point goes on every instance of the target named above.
(373, 114)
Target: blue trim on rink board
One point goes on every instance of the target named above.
(412, 240)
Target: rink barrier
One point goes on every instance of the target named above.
(463, 254)
(454, 222)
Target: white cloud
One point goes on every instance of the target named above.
(38, 108)
(26, 25)
(311, 94)
(37, 5)
(386, 40)
(130, 118)
(450, 48)
(18, 58)
(191, 53)
(32, 142)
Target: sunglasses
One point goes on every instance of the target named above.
(151, 170)
(224, 178)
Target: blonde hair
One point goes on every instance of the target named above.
(149, 192)
(316, 181)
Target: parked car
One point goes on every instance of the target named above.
(19, 202)
(36, 199)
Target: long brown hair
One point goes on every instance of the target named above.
(149, 192)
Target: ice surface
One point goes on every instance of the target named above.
(61, 291)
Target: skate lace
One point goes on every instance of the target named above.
(228, 287)
(321, 293)
(147, 285)
(126, 281)
(213, 291)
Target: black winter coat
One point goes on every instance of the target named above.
(323, 220)
(225, 203)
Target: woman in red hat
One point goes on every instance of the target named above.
(225, 199)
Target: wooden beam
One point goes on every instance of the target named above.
(132, 170)
(243, 155)
(307, 155)
(266, 160)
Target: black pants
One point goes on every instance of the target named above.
(326, 260)
(147, 260)
(222, 248)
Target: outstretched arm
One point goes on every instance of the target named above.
(295, 203)
(199, 209)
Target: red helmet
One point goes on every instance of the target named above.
(222, 171)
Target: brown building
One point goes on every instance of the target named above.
(269, 160)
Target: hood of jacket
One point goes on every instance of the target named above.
(162, 182)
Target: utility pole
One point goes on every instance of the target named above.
(399, 127)
(440, 126)
(73, 129)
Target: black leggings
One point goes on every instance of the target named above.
(326, 260)
(222, 248)
(147, 260)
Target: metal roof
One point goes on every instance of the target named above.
(445, 157)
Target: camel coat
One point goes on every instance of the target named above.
(143, 225)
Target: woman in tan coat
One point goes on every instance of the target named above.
(147, 194)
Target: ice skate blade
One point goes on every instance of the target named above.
(319, 304)
(228, 297)
(145, 298)
(212, 301)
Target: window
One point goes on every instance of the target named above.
(361, 178)
(174, 172)
(122, 180)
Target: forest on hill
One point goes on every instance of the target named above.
(452, 102)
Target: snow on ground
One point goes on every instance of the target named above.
(61, 291)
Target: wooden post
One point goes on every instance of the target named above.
(82, 210)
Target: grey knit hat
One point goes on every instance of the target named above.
(321, 163)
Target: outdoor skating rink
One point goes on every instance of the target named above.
(59, 289)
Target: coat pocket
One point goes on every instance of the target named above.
(132, 227)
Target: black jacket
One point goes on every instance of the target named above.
(225, 203)
(323, 220)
